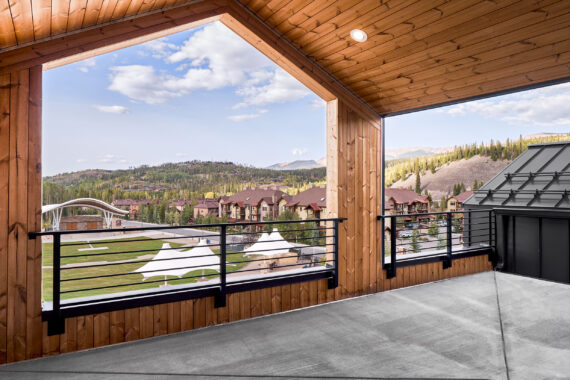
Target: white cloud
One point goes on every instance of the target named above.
(112, 109)
(142, 83)
(279, 88)
(84, 66)
(317, 103)
(299, 151)
(545, 107)
(212, 58)
(246, 117)
(112, 159)
(243, 117)
(159, 48)
(81, 160)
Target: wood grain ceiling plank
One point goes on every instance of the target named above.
(464, 22)
(133, 7)
(511, 83)
(120, 9)
(373, 23)
(59, 14)
(76, 16)
(320, 18)
(554, 42)
(106, 12)
(270, 7)
(256, 5)
(392, 26)
(22, 17)
(41, 14)
(92, 12)
(340, 26)
(7, 32)
(443, 42)
(534, 23)
(147, 6)
(472, 80)
(309, 10)
(159, 4)
(284, 13)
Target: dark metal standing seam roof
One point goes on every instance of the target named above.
(538, 178)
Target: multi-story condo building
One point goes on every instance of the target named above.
(206, 207)
(455, 202)
(404, 201)
(253, 204)
(309, 204)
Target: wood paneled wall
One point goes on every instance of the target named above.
(20, 208)
(353, 156)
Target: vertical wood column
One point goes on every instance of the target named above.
(353, 191)
(20, 212)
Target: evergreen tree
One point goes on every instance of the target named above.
(414, 244)
(443, 203)
(418, 188)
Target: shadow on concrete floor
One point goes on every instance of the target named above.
(484, 326)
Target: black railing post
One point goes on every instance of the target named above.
(468, 226)
(490, 229)
(220, 299)
(56, 324)
(448, 259)
(391, 272)
(333, 281)
(493, 238)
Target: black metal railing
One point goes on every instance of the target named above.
(94, 271)
(413, 239)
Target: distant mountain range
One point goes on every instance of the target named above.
(416, 151)
(391, 154)
(299, 164)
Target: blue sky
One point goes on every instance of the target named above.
(202, 94)
(545, 109)
(206, 94)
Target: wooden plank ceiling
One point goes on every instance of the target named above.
(418, 53)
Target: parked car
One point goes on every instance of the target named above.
(405, 234)
(442, 223)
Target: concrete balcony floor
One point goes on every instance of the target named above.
(488, 325)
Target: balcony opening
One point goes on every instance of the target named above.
(197, 128)
(448, 171)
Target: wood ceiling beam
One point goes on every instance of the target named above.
(284, 54)
(115, 35)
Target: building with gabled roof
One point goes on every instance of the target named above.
(206, 207)
(404, 201)
(309, 204)
(455, 202)
(253, 204)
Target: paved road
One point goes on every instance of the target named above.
(190, 232)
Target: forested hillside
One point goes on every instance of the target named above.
(172, 181)
(401, 170)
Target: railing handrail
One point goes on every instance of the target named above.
(33, 235)
(447, 253)
(432, 213)
(219, 290)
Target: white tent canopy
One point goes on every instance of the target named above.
(179, 263)
(270, 245)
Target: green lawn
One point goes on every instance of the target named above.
(131, 245)
(135, 278)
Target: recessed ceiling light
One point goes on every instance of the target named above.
(358, 35)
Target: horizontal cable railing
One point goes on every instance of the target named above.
(92, 271)
(414, 238)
